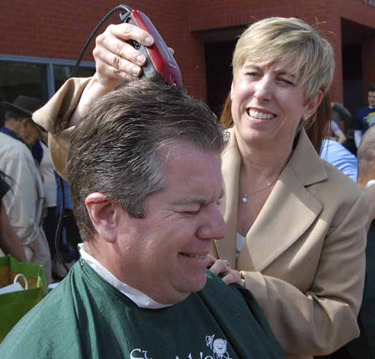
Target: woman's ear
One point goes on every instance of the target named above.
(104, 215)
(313, 105)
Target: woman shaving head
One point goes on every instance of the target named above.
(282, 202)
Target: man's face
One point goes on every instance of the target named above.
(371, 98)
(29, 131)
(165, 254)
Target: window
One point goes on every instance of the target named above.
(19, 78)
(62, 72)
(36, 77)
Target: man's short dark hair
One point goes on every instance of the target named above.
(14, 116)
(371, 88)
(115, 149)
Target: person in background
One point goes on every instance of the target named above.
(69, 223)
(366, 168)
(144, 175)
(50, 187)
(337, 134)
(332, 150)
(365, 117)
(69, 236)
(363, 347)
(9, 241)
(342, 118)
(292, 219)
(340, 157)
(25, 204)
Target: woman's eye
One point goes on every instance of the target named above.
(252, 74)
(286, 82)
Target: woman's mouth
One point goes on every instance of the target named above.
(260, 115)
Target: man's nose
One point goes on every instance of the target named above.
(214, 226)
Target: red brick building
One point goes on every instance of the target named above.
(41, 39)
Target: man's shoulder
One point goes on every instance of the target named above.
(362, 112)
(13, 147)
(232, 300)
(228, 303)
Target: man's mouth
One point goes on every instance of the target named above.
(260, 115)
(195, 256)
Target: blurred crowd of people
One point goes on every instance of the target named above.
(31, 195)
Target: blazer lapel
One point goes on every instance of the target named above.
(287, 214)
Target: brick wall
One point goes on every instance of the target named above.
(58, 29)
(364, 13)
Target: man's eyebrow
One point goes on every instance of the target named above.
(195, 200)
(191, 200)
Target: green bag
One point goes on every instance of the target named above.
(13, 306)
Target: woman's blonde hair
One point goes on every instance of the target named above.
(277, 39)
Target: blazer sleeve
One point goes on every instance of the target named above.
(54, 117)
(312, 323)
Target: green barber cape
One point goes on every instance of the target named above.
(85, 317)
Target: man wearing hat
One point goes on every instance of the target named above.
(24, 204)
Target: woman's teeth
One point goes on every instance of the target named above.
(260, 115)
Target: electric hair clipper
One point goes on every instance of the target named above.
(159, 61)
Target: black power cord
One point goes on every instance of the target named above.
(122, 8)
(60, 224)
(117, 8)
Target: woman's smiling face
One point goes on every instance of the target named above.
(268, 103)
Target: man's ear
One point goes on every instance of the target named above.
(24, 123)
(313, 105)
(104, 215)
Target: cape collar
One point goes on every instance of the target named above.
(140, 299)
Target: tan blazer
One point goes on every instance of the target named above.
(304, 256)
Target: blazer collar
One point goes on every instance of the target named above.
(287, 214)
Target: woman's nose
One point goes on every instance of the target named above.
(263, 89)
